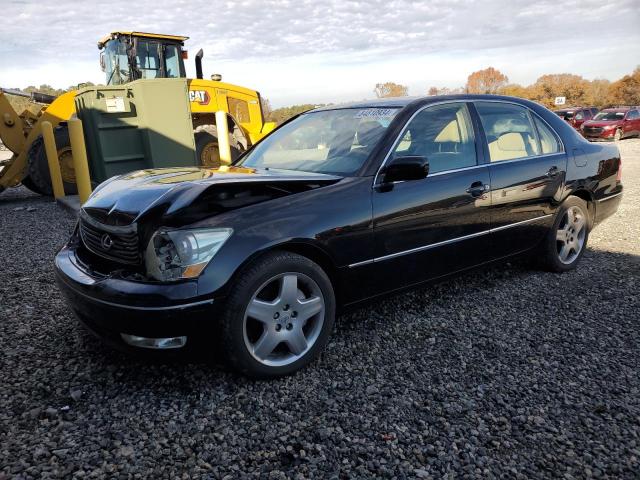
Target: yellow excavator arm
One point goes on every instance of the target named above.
(19, 131)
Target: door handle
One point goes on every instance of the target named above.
(477, 189)
(553, 171)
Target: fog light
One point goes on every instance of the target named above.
(157, 343)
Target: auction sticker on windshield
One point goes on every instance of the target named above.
(376, 113)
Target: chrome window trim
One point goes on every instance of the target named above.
(562, 150)
(454, 170)
(446, 242)
(501, 162)
(610, 197)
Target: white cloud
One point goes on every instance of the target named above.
(304, 50)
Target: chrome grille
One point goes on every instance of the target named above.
(119, 244)
(594, 130)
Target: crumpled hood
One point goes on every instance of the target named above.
(127, 198)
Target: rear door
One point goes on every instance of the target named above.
(527, 168)
(440, 224)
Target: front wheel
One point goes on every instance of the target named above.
(566, 241)
(39, 178)
(279, 316)
(618, 135)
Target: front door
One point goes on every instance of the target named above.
(437, 225)
(527, 168)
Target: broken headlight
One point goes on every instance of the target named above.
(178, 254)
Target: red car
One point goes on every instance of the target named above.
(576, 116)
(613, 124)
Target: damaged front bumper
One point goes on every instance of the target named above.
(149, 314)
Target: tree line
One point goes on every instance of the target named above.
(578, 91)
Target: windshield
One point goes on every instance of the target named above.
(116, 63)
(330, 141)
(609, 116)
(149, 61)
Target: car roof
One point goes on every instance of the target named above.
(401, 102)
(388, 102)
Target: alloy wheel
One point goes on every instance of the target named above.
(571, 234)
(284, 319)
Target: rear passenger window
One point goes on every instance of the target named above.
(509, 131)
(444, 135)
(548, 140)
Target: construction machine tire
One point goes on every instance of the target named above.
(39, 178)
(207, 152)
(27, 182)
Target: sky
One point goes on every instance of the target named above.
(310, 51)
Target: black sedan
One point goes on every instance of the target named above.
(338, 206)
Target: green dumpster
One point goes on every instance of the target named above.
(143, 124)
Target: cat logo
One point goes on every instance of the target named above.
(200, 96)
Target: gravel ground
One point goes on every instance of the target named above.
(504, 373)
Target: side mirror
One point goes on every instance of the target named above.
(103, 64)
(411, 167)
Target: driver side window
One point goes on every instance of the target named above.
(443, 134)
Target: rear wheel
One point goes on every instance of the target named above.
(207, 151)
(279, 316)
(39, 178)
(566, 241)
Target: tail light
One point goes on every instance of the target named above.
(619, 175)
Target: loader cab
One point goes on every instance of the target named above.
(129, 56)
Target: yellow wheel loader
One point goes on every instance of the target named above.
(125, 57)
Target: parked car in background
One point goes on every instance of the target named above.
(613, 124)
(576, 116)
(338, 206)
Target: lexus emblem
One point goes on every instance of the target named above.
(106, 241)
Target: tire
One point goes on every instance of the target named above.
(27, 182)
(207, 153)
(566, 241)
(618, 135)
(272, 347)
(39, 178)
